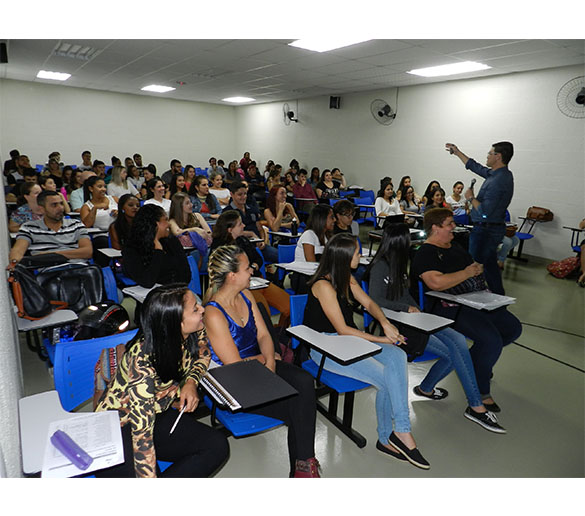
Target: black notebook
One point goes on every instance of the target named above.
(243, 385)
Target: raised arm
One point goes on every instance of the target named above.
(453, 149)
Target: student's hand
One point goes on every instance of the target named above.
(413, 310)
(189, 396)
(392, 334)
(271, 364)
(261, 245)
(475, 269)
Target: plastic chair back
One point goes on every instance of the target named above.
(110, 285)
(286, 254)
(368, 319)
(195, 283)
(74, 366)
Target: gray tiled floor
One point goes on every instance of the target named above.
(539, 385)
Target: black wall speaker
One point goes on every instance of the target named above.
(3, 53)
(334, 102)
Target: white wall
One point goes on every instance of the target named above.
(549, 164)
(40, 118)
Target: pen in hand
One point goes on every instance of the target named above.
(178, 418)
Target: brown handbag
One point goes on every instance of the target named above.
(511, 230)
(538, 213)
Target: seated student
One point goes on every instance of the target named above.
(443, 265)
(148, 174)
(214, 167)
(28, 208)
(120, 184)
(161, 368)
(151, 254)
(315, 177)
(203, 200)
(178, 185)
(427, 195)
(319, 229)
(303, 190)
(183, 221)
(456, 201)
(327, 188)
(119, 230)
(408, 201)
(274, 179)
(86, 163)
(338, 176)
(329, 309)
(76, 197)
(48, 183)
(99, 209)
(251, 219)
(344, 211)
(386, 203)
(289, 183)
(278, 213)
(436, 199)
(508, 243)
(256, 185)
(231, 174)
(189, 173)
(221, 194)
(67, 237)
(156, 194)
(228, 230)
(387, 276)
(135, 178)
(237, 331)
(406, 181)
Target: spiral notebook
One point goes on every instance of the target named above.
(244, 385)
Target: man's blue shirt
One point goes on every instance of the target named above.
(495, 193)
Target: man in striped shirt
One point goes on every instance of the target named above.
(55, 234)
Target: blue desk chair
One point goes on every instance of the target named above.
(461, 219)
(332, 384)
(110, 285)
(74, 365)
(367, 197)
(286, 254)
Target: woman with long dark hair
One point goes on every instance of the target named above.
(161, 368)
(408, 201)
(386, 203)
(237, 332)
(203, 200)
(332, 290)
(151, 254)
(389, 287)
(128, 207)
(178, 185)
(279, 213)
(319, 228)
(436, 199)
(327, 188)
(427, 195)
(228, 230)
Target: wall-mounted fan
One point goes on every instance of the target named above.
(382, 112)
(288, 114)
(571, 98)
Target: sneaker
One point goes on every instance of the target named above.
(307, 468)
(486, 419)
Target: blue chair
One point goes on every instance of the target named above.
(110, 285)
(332, 384)
(286, 254)
(366, 199)
(200, 171)
(462, 220)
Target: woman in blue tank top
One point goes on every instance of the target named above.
(237, 331)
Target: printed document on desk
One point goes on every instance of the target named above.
(98, 433)
(308, 268)
(481, 300)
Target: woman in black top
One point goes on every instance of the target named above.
(151, 254)
(128, 206)
(327, 188)
(328, 309)
(443, 265)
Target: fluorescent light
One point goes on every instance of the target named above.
(157, 89)
(55, 76)
(238, 100)
(324, 45)
(450, 69)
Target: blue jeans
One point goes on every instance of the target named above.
(451, 346)
(270, 254)
(483, 245)
(508, 243)
(386, 371)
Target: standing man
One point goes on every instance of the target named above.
(489, 207)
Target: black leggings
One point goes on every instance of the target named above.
(298, 412)
(196, 450)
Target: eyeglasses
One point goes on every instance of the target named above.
(490, 153)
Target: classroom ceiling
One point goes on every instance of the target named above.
(270, 70)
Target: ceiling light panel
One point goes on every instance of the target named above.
(53, 76)
(156, 88)
(449, 69)
(325, 44)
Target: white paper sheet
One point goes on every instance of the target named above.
(98, 433)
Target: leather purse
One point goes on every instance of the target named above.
(540, 214)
